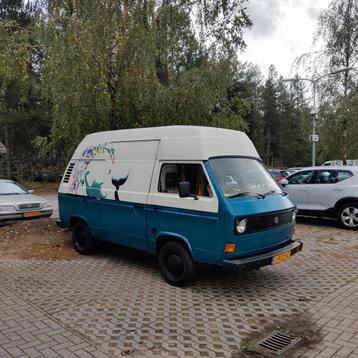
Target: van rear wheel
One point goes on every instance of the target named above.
(82, 239)
(176, 264)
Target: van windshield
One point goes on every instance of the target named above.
(243, 177)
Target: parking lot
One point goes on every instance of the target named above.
(116, 304)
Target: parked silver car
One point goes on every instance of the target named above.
(326, 192)
(17, 203)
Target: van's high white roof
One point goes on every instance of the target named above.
(180, 142)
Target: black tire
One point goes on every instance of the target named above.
(348, 216)
(82, 239)
(176, 264)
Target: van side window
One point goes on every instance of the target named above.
(173, 173)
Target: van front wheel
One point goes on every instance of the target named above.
(176, 264)
(82, 239)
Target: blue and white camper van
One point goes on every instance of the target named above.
(187, 194)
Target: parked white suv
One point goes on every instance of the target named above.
(326, 191)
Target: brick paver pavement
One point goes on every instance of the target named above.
(116, 304)
(27, 331)
(336, 316)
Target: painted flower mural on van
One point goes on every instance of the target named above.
(81, 172)
(84, 177)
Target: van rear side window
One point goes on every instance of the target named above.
(173, 173)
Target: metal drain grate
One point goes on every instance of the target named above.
(278, 343)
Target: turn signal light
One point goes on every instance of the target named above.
(230, 248)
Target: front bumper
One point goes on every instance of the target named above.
(265, 259)
(19, 216)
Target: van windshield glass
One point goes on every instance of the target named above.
(242, 177)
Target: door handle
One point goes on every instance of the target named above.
(337, 189)
(139, 206)
(302, 189)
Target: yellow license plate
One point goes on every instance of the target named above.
(281, 257)
(31, 214)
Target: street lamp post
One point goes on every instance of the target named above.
(314, 113)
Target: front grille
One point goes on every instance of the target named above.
(268, 221)
(29, 206)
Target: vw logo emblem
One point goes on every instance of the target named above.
(276, 220)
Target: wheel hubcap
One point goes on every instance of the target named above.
(349, 216)
(175, 264)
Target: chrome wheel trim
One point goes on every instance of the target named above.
(349, 216)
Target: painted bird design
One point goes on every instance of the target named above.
(94, 189)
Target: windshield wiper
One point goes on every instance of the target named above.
(271, 192)
(247, 193)
(10, 194)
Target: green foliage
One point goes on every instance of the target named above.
(72, 67)
(23, 113)
(338, 28)
(111, 65)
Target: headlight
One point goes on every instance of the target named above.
(7, 209)
(46, 205)
(241, 225)
(294, 215)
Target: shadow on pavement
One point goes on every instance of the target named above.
(315, 221)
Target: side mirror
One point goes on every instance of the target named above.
(284, 182)
(184, 189)
(31, 191)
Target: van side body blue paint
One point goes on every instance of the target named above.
(168, 235)
(198, 229)
(82, 207)
(124, 223)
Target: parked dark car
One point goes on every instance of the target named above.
(279, 174)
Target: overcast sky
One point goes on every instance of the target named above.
(283, 29)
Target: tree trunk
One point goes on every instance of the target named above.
(8, 154)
